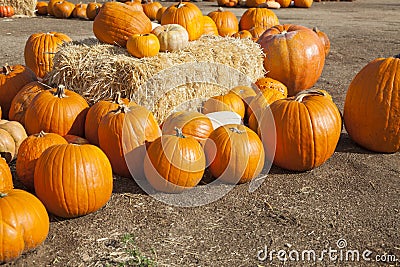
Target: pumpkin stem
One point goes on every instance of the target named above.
(180, 4)
(41, 134)
(220, 9)
(60, 93)
(7, 69)
(117, 98)
(3, 195)
(179, 132)
(300, 95)
(236, 130)
(315, 29)
(122, 108)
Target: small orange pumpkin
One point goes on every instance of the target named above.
(160, 12)
(151, 8)
(92, 9)
(227, 102)
(174, 163)
(6, 182)
(41, 8)
(24, 222)
(235, 153)
(80, 11)
(303, 3)
(29, 152)
(243, 34)
(226, 21)
(209, 26)
(63, 9)
(258, 17)
(143, 45)
(227, 3)
(6, 11)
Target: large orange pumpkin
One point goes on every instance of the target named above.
(96, 113)
(23, 99)
(6, 182)
(258, 17)
(123, 134)
(73, 180)
(40, 49)
(307, 128)
(12, 79)
(174, 163)
(57, 110)
(191, 123)
(24, 222)
(187, 15)
(116, 22)
(235, 153)
(289, 51)
(29, 152)
(372, 106)
(226, 21)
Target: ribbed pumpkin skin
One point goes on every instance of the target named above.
(24, 222)
(235, 153)
(22, 100)
(228, 102)
(122, 136)
(12, 79)
(116, 22)
(30, 151)
(308, 128)
(187, 15)
(96, 113)
(258, 17)
(226, 21)
(172, 37)
(372, 106)
(58, 112)
(50, 6)
(289, 51)
(174, 164)
(73, 180)
(40, 49)
(6, 11)
(6, 182)
(209, 26)
(191, 123)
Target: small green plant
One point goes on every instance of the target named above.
(135, 256)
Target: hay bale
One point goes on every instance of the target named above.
(169, 81)
(22, 7)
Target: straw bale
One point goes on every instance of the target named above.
(169, 81)
(22, 7)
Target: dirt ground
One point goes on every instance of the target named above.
(354, 197)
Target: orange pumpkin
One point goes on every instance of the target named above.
(187, 15)
(372, 106)
(160, 12)
(227, 102)
(136, 5)
(227, 3)
(151, 8)
(235, 153)
(96, 113)
(324, 39)
(50, 6)
(41, 8)
(57, 110)
(6, 11)
(269, 83)
(174, 163)
(243, 34)
(73, 180)
(209, 26)
(307, 128)
(289, 50)
(123, 134)
(92, 9)
(226, 21)
(256, 32)
(63, 9)
(12, 80)
(191, 123)
(116, 22)
(143, 45)
(246, 93)
(254, 3)
(258, 17)
(6, 182)
(24, 223)
(284, 3)
(29, 152)
(80, 11)
(23, 99)
(303, 3)
(40, 49)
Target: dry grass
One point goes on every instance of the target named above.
(22, 7)
(161, 83)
